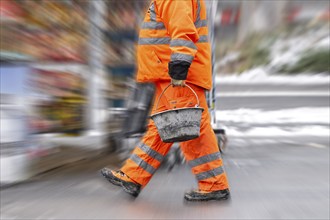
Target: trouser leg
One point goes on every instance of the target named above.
(203, 153)
(150, 152)
(146, 157)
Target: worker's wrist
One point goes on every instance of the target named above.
(178, 69)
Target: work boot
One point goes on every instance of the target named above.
(199, 195)
(119, 178)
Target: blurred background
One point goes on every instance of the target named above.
(67, 101)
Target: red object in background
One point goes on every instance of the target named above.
(225, 17)
(230, 16)
(292, 14)
(237, 16)
(326, 15)
(10, 10)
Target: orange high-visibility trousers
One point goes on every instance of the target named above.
(201, 153)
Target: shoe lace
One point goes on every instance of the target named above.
(120, 172)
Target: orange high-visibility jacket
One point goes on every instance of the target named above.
(174, 30)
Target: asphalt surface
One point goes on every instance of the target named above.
(271, 103)
(273, 177)
(294, 96)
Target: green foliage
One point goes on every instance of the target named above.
(253, 58)
(314, 62)
(253, 53)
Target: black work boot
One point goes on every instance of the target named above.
(119, 178)
(198, 195)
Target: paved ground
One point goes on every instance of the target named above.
(293, 96)
(271, 177)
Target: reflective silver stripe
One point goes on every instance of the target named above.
(201, 23)
(211, 173)
(181, 56)
(153, 25)
(198, 17)
(203, 39)
(148, 41)
(166, 40)
(144, 165)
(205, 159)
(152, 153)
(152, 12)
(181, 42)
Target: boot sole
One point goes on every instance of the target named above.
(207, 199)
(127, 190)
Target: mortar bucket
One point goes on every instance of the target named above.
(178, 124)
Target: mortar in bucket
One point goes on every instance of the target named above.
(178, 124)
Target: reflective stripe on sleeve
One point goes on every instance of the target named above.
(181, 56)
(144, 165)
(201, 23)
(198, 17)
(152, 12)
(150, 41)
(203, 39)
(181, 42)
(152, 153)
(205, 159)
(211, 173)
(153, 25)
(167, 40)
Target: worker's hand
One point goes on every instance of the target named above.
(176, 82)
(178, 71)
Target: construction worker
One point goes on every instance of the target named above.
(173, 48)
